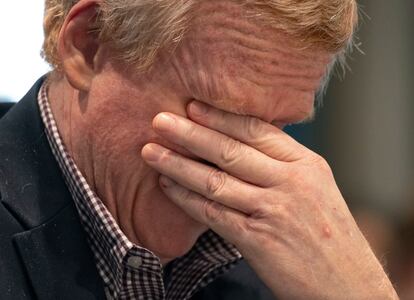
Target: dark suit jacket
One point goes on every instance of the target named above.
(4, 107)
(43, 249)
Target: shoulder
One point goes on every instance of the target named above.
(31, 182)
(5, 107)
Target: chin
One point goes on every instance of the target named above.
(175, 240)
(175, 247)
(164, 228)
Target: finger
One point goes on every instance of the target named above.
(252, 131)
(228, 154)
(205, 180)
(225, 221)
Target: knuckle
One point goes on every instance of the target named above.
(253, 127)
(321, 163)
(285, 213)
(231, 150)
(171, 159)
(213, 211)
(191, 131)
(215, 182)
(273, 176)
(294, 174)
(264, 208)
(263, 233)
(244, 232)
(300, 183)
(279, 218)
(318, 163)
(166, 156)
(184, 194)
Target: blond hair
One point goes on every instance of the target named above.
(138, 29)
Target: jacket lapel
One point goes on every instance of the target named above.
(53, 246)
(58, 260)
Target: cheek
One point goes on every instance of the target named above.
(120, 122)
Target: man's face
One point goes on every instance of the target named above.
(226, 61)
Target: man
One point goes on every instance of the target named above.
(196, 91)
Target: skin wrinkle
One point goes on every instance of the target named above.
(209, 89)
(300, 83)
(272, 65)
(252, 42)
(265, 69)
(184, 60)
(209, 92)
(133, 220)
(284, 61)
(254, 78)
(111, 158)
(122, 104)
(125, 192)
(96, 167)
(109, 194)
(242, 10)
(131, 186)
(67, 112)
(271, 74)
(303, 79)
(292, 59)
(249, 32)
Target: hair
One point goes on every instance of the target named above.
(138, 29)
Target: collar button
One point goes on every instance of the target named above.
(134, 262)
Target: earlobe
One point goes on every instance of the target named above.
(78, 45)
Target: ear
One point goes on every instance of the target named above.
(78, 45)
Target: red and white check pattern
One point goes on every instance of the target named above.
(128, 270)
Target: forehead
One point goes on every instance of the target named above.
(225, 24)
(251, 59)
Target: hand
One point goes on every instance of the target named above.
(273, 198)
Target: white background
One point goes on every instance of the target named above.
(21, 38)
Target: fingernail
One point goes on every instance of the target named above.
(166, 182)
(152, 152)
(164, 121)
(198, 108)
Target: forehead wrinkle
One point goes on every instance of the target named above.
(281, 60)
(268, 55)
(277, 59)
(194, 73)
(282, 82)
(276, 68)
(251, 67)
(251, 35)
(268, 74)
(284, 58)
(239, 31)
(266, 68)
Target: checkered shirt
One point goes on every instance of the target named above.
(128, 270)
